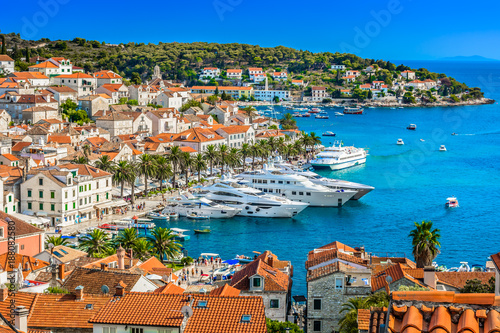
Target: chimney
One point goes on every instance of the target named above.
(120, 290)
(270, 260)
(131, 254)
(120, 253)
(61, 272)
(104, 267)
(4, 293)
(430, 276)
(21, 318)
(79, 293)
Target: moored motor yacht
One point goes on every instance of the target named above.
(339, 157)
(253, 202)
(295, 187)
(185, 204)
(442, 148)
(451, 202)
(400, 142)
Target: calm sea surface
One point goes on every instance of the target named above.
(412, 183)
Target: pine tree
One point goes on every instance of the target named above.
(4, 47)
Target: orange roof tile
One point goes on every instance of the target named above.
(45, 64)
(274, 279)
(27, 263)
(59, 139)
(170, 288)
(496, 260)
(187, 149)
(363, 319)
(459, 279)
(225, 290)
(10, 157)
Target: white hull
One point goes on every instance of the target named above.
(339, 166)
(215, 213)
(268, 211)
(321, 199)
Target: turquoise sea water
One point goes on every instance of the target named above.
(412, 183)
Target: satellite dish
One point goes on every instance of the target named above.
(187, 311)
(105, 289)
(388, 278)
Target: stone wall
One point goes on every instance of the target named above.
(331, 301)
(275, 313)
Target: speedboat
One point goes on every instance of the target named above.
(328, 133)
(306, 115)
(354, 110)
(336, 184)
(202, 231)
(254, 202)
(196, 216)
(173, 216)
(339, 114)
(186, 203)
(179, 234)
(451, 202)
(400, 142)
(339, 157)
(422, 140)
(295, 187)
(464, 267)
(158, 216)
(412, 127)
(322, 117)
(442, 148)
(314, 110)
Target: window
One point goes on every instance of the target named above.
(10, 198)
(97, 197)
(317, 304)
(109, 330)
(246, 318)
(40, 206)
(52, 207)
(52, 194)
(308, 193)
(40, 181)
(6, 210)
(107, 196)
(14, 208)
(29, 205)
(29, 193)
(294, 193)
(85, 188)
(74, 192)
(301, 193)
(66, 207)
(81, 202)
(74, 205)
(339, 283)
(256, 282)
(1, 232)
(90, 187)
(66, 195)
(274, 303)
(136, 330)
(40, 194)
(317, 326)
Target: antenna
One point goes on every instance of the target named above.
(105, 289)
(187, 311)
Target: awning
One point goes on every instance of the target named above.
(119, 203)
(28, 212)
(86, 210)
(41, 213)
(104, 205)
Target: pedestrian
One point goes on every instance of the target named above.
(196, 270)
(192, 271)
(201, 272)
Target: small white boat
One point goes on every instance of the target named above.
(422, 140)
(173, 216)
(339, 114)
(158, 216)
(412, 127)
(196, 216)
(400, 142)
(442, 148)
(451, 202)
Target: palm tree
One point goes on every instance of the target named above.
(55, 241)
(315, 140)
(223, 153)
(272, 143)
(175, 158)
(245, 151)
(255, 151)
(123, 173)
(425, 242)
(163, 170)
(147, 168)
(305, 140)
(186, 163)
(81, 160)
(211, 155)
(127, 238)
(233, 158)
(96, 244)
(142, 248)
(250, 112)
(105, 163)
(199, 164)
(87, 151)
(348, 323)
(163, 243)
(133, 175)
(263, 149)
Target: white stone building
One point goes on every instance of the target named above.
(116, 123)
(6, 64)
(84, 84)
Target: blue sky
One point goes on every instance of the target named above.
(388, 29)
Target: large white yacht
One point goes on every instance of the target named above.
(336, 184)
(253, 202)
(186, 203)
(295, 187)
(339, 157)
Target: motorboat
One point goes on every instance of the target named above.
(306, 115)
(202, 231)
(295, 187)
(186, 203)
(442, 148)
(339, 157)
(451, 202)
(336, 184)
(328, 133)
(173, 216)
(354, 110)
(412, 127)
(400, 142)
(179, 234)
(422, 140)
(322, 117)
(253, 202)
(464, 267)
(315, 110)
(158, 216)
(339, 114)
(196, 216)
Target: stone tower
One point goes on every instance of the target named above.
(157, 73)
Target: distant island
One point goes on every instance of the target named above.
(289, 74)
(474, 58)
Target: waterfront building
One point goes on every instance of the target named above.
(318, 94)
(236, 135)
(269, 95)
(234, 92)
(198, 139)
(116, 123)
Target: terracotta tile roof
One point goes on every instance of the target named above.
(198, 135)
(221, 314)
(106, 74)
(187, 149)
(234, 70)
(338, 246)
(274, 279)
(363, 319)
(75, 76)
(496, 260)
(235, 129)
(222, 88)
(275, 263)
(4, 57)
(151, 264)
(28, 75)
(27, 263)
(45, 64)
(254, 69)
(109, 259)
(113, 87)
(170, 288)
(96, 141)
(59, 139)
(322, 255)
(85, 169)
(225, 290)
(397, 273)
(10, 157)
(21, 298)
(459, 279)
(93, 279)
(269, 133)
(22, 228)
(50, 174)
(115, 116)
